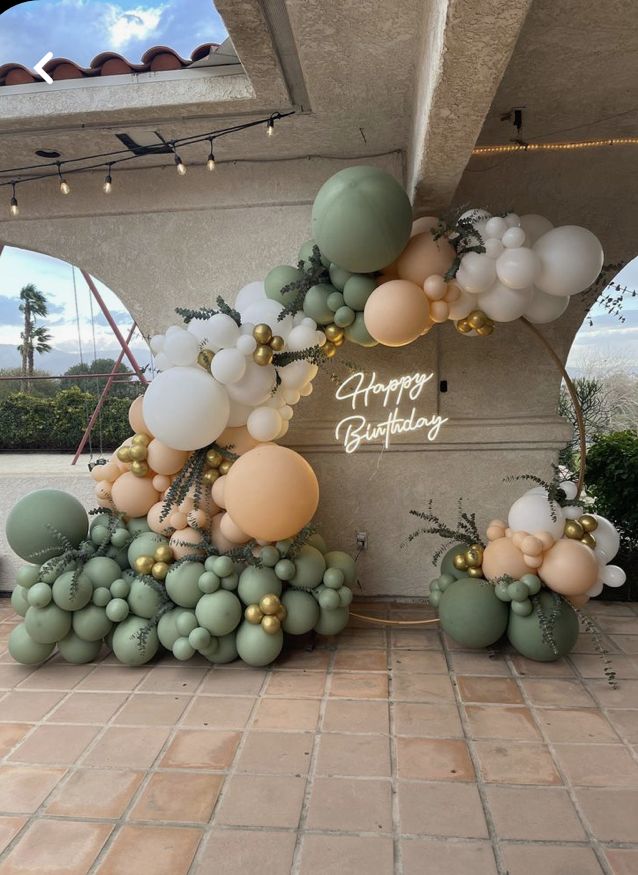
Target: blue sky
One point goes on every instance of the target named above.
(81, 29)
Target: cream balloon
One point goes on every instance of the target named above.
(612, 575)
(255, 386)
(164, 459)
(264, 423)
(181, 348)
(607, 537)
(229, 365)
(463, 304)
(535, 513)
(250, 294)
(545, 308)
(571, 258)
(504, 304)
(517, 268)
(476, 273)
(534, 226)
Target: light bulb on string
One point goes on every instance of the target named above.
(65, 188)
(270, 127)
(211, 158)
(13, 203)
(181, 167)
(107, 186)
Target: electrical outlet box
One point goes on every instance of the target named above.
(362, 540)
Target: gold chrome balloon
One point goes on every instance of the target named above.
(211, 475)
(271, 625)
(477, 319)
(163, 553)
(463, 326)
(460, 562)
(282, 613)
(333, 332)
(485, 330)
(253, 614)
(269, 604)
(263, 355)
(262, 333)
(329, 349)
(205, 359)
(225, 466)
(124, 454)
(141, 439)
(588, 522)
(144, 564)
(588, 540)
(573, 529)
(277, 343)
(474, 556)
(140, 469)
(475, 572)
(159, 570)
(340, 341)
(214, 458)
(138, 452)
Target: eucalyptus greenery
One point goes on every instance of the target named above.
(465, 532)
(555, 492)
(314, 273)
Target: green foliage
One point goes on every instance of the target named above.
(313, 273)
(466, 531)
(612, 478)
(122, 388)
(39, 388)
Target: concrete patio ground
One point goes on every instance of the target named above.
(382, 751)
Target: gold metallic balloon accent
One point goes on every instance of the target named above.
(477, 319)
(138, 453)
(588, 540)
(205, 358)
(124, 454)
(339, 341)
(214, 458)
(277, 343)
(263, 355)
(144, 564)
(262, 333)
(333, 332)
(588, 522)
(460, 562)
(573, 529)
(141, 440)
(140, 469)
(329, 349)
(211, 475)
(475, 572)
(474, 556)
(282, 613)
(269, 604)
(463, 326)
(253, 614)
(163, 553)
(225, 466)
(485, 330)
(159, 570)
(271, 625)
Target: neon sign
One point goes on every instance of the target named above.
(360, 391)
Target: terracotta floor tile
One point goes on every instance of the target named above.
(296, 683)
(350, 805)
(180, 797)
(152, 709)
(341, 854)
(625, 722)
(227, 682)
(575, 724)
(534, 814)
(55, 745)
(9, 828)
(241, 851)
(11, 734)
(447, 858)
(24, 788)
(560, 668)
(612, 814)
(590, 665)
(114, 678)
(563, 693)
(361, 660)
(182, 678)
(355, 715)
(304, 660)
(419, 662)
(256, 800)
(87, 708)
(501, 721)
(479, 663)
(618, 625)
(161, 850)
(49, 847)
(204, 749)
(58, 676)
(585, 643)
(354, 755)
(360, 639)
(522, 763)
(13, 674)
(626, 696)
(434, 759)
(446, 809)
(623, 861)
(427, 721)
(489, 689)
(219, 712)
(125, 747)
(626, 643)
(282, 753)
(294, 714)
(353, 685)
(94, 793)
(27, 706)
(422, 688)
(598, 765)
(550, 860)
(423, 639)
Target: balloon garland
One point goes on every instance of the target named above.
(203, 542)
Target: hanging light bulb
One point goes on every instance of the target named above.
(181, 167)
(13, 203)
(65, 188)
(107, 186)
(270, 127)
(211, 158)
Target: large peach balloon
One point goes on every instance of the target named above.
(569, 568)
(185, 542)
(164, 459)
(109, 472)
(238, 440)
(229, 529)
(502, 557)
(424, 256)
(397, 312)
(136, 417)
(422, 224)
(133, 496)
(220, 540)
(217, 491)
(271, 492)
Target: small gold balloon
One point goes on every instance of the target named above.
(269, 604)
(277, 343)
(263, 355)
(124, 454)
(271, 625)
(163, 553)
(211, 475)
(475, 572)
(159, 570)
(463, 326)
(144, 564)
(485, 330)
(588, 522)
(573, 529)
(140, 469)
(329, 349)
(282, 613)
(253, 614)
(339, 341)
(477, 319)
(205, 358)
(214, 458)
(473, 557)
(460, 562)
(262, 333)
(588, 540)
(333, 332)
(141, 440)
(225, 466)
(138, 453)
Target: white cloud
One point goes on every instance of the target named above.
(127, 25)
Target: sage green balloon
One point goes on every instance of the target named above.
(47, 625)
(183, 649)
(220, 612)
(185, 623)
(334, 578)
(182, 583)
(200, 638)
(357, 290)
(77, 650)
(306, 251)
(117, 610)
(51, 570)
(302, 611)
(269, 556)
(471, 614)
(144, 545)
(72, 591)
(100, 535)
(167, 630)
(359, 334)
(285, 569)
(447, 563)
(28, 575)
(222, 566)
(339, 276)
(279, 277)
(209, 582)
(31, 523)
(102, 571)
(135, 642)
(332, 622)
(25, 650)
(120, 588)
(137, 525)
(315, 303)
(344, 316)
(316, 540)
(101, 596)
(144, 599)
(345, 596)
(119, 554)
(526, 636)
(309, 568)
(255, 583)
(345, 563)
(335, 301)
(257, 647)
(231, 581)
(40, 595)
(329, 599)
(121, 538)
(221, 650)
(361, 219)
(19, 601)
(92, 623)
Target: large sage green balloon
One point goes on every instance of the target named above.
(310, 566)
(357, 290)
(39, 595)
(77, 650)
(255, 583)
(91, 623)
(306, 251)
(302, 611)
(144, 545)
(144, 599)
(47, 625)
(28, 575)
(447, 563)
(19, 601)
(471, 614)
(344, 562)
(315, 303)
(359, 334)
(332, 622)
(220, 612)
(316, 540)
(135, 641)
(526, 636)
(181, 583)
(102, 571)
(72, 591)
(257, 647)
(361, 219)
(33, 522)
(279, 277)
(221, 650)
(24, 649)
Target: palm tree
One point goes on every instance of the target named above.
(34, 338)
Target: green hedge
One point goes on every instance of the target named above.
(31, 423)
(612, 477)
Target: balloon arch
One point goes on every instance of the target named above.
(202, 541)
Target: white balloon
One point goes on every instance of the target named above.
(513, 238)
(239, 414)
(463, 305)
(255, 386)
(606, 535)
(199, 329)
(571, 512)
(246, 344)
(250, 294)
(476, 272)
(534, 226)
(229, 365)
(162, 362)
(186, 408)
(297, 374)
(286, 412)
(602, 555)
(246, 328)
(545, 308)
(181, 348)
(517, 268)
(512, 220)
(292, 396)
(570, 489)
(479, 218)
(495, 227)
(596, 589)
(493, 248)
(504, 304)
(157, 343)
(612, 575)
(223, 331)
(264, 423)
(310, 323)
(302, 337)
(535, 513)
(173, 329)
(284, 429)
(304, 391)
(571, 259)
(267, 312)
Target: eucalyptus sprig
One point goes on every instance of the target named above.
(464, 237)
(466, 531)
(597, 640)
(312, 274)
(312, 354)
(553, 487)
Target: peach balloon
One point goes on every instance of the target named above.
(501, 557)
(424, 256)
(186, 504)
(452, 294)
(185, 542)
(164, 459)
(533, 561)
(219, 540)
(133, 496)
(532, 546)
(238, 439)
(122, 466)
(569, 568)
(229, 529)
(135, 417)
(197, 519)
(423, 224)
(217, 491)
(161, 526)
(161, 482)
(271, 492)
(110, 472)
(578, 601)
(518, 538)
(439, 311)
(495, 532)
(178, 520)
(546, 539)
(397, 312)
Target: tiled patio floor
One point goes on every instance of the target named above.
(379, 752)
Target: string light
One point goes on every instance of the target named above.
(181, 167)
(107, 187)
(13, 204)
(499, 149)
(270, 126)
(65, 188)
(211, 158)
